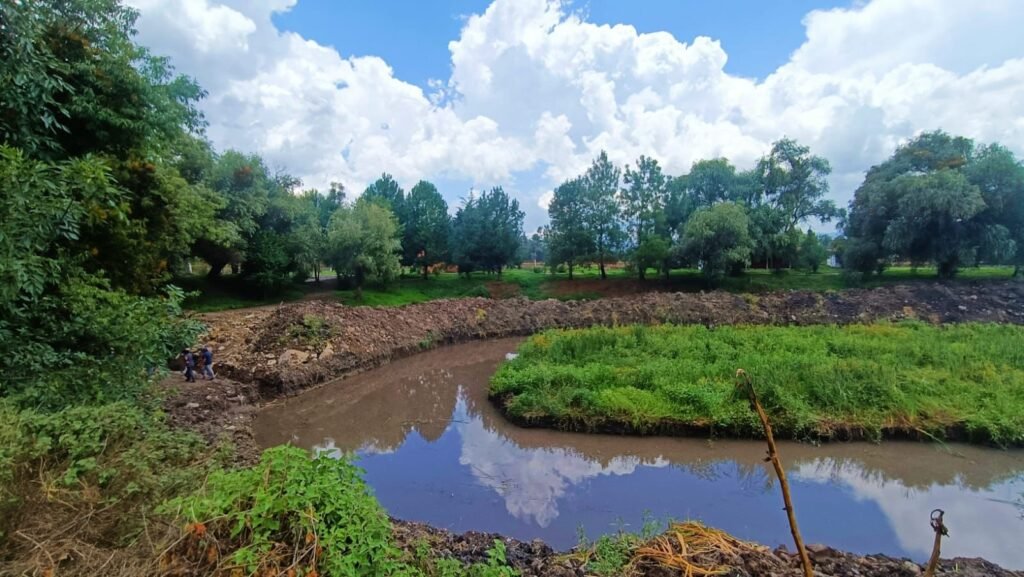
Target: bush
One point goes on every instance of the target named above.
(109, 459)
(289, 511)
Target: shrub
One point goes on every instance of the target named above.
(108, 459)
(288, 512)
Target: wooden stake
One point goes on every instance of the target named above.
(940, 531)
(773, 456)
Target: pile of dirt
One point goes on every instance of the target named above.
(266, 353)
(267, 346)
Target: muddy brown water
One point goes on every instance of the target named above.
(435, 450)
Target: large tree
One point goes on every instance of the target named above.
(364, 243)
(999, 177)
(601, 209)
(643, 206)
(569, 237)
(486, 232)
(712, 181)
(385, 191)
(718, 238)
(73, 83)
(426, 227)
(794, 183)
(929, 202)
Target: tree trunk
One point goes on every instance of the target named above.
(425, 271)
(604, 275)
(215, 269)
(570, 270)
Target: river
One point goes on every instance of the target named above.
(435, 450)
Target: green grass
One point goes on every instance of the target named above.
(228, 293)
(823, 381)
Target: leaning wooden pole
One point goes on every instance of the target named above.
(773, 456)
(940, 531)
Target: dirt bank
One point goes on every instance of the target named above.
(264, 354)
(721, 555)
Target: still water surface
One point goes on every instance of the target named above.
(435, 450)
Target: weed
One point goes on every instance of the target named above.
(290, 512)
(314, 331)
(819, 381)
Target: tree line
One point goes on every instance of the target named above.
(940, 199)
(716, 217)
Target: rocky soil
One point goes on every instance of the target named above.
(267, 353)
(536, 559)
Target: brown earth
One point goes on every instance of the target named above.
(728, 557)
(260, 355)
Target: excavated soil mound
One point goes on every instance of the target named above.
(266, 353)
(267, 347)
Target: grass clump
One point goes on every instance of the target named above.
(965, 381)
(295, 515)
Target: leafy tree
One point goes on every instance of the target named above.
(310, 234)
(718, 237)
(569, 238)
(66, 336)
(793, 182)
(1000, 178)
(601, 209)
(933, 219)
(74, 83)
(929, 203)
(364, 241)
(426, 227)
(643, 203)
(712, 181)
(812, 252)
(486, 232)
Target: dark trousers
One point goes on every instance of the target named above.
(190, 374)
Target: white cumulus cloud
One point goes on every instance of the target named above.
(536, 92)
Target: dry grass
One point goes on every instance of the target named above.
(692, 548)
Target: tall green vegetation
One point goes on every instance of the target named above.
(94, 214)
(569, 237)
(425, 227)
(601, 213)
(644, 216)
(487, 232)
(939, 199)
(643, 209)
(364, 243)
(822, 381)
(718, 238)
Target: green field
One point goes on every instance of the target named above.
(872, 381)
(228, 293)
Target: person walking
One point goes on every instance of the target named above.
(207, 356)
(190, 366)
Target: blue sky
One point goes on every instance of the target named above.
(413, 37)
(337, 90)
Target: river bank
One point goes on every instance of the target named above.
(266, 356)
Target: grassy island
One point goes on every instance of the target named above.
(862, 381)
